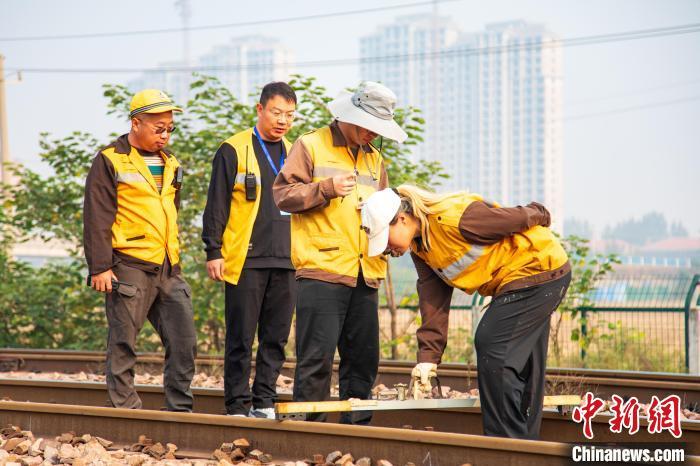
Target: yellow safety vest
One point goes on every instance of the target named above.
(485, 269)
(330, 239)
(146, 222)
(236, 238)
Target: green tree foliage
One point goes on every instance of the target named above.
(48, 307)
(51, 207)
(51, 307)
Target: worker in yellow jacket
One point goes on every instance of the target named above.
(130, 235)
(330, 172)
(459, 240)
(247, 240)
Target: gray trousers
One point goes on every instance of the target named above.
(165, 301)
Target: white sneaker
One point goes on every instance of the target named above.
(262, 413)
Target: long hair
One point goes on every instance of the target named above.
(421, 203)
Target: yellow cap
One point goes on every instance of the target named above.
(151, 101)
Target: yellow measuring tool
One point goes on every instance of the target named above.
(298, 410)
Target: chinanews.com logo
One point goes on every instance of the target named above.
(662, 415)
(628, 453)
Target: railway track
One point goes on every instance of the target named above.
(461, 377)
(197, 435)
(555, 426)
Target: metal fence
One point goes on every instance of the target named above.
(630, 321)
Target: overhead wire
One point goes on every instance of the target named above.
(448, 53)
(635, 92)
(633, 108)
(261, 22)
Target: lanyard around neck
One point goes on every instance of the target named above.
(267, 154)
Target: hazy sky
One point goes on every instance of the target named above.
(620, 160)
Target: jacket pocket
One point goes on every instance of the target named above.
(328, 251)
(127, 234)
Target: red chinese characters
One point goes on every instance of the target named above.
(665, 415)
(585, 413)
(625, 415)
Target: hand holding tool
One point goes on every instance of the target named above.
(421, 375)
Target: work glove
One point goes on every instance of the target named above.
(421, 375)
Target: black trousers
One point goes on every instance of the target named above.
(511, 346)
(330, 315)
(262, 299)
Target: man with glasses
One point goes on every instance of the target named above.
(130, 236)
(247, 240)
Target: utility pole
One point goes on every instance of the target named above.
(4, 142)
(185, 15)
(436, 73)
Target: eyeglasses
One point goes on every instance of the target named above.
(157, 129)
(161, 130)
(279, 115)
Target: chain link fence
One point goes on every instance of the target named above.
(632, 321)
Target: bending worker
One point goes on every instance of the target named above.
(461, 241)
(329, 174)
(247, 241)
(132, 196)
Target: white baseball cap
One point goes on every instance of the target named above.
(377, 213)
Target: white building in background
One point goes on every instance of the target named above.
(253, 61)
(416, 81)
(492, 102)
(243, 65)
(175, 83)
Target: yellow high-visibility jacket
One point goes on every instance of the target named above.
(239, 228)
(124, 213)
(485, 268)
(328, 242)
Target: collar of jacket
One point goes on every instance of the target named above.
(339, 139)
(122, 146)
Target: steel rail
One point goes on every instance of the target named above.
(555, 426)
(457, 376)
(199, 434)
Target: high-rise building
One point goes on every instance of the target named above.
(175, 83)
(243, 65)
(413, 72)
(252, 62)
(492, 102)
